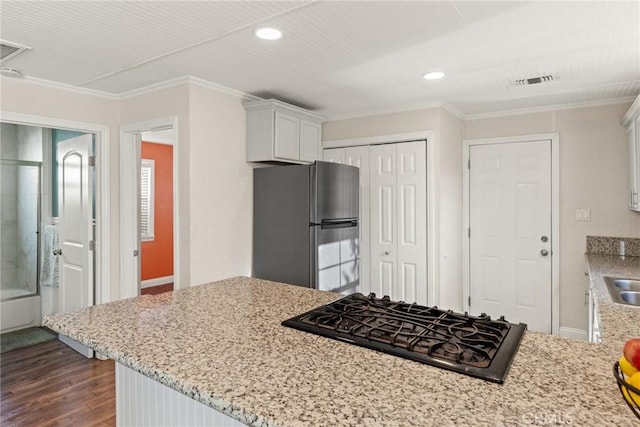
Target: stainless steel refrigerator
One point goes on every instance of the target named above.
(305, 226)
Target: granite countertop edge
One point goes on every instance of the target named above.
(243, 409)
(618, 322)
(165, 378)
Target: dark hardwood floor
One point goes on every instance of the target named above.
(49, 384)
(155, 290)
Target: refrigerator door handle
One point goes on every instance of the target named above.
(337, 224)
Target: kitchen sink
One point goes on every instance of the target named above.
(627, 284)
(632, 298)
(624, 291)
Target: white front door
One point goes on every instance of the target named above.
(510, 232)
(75, 227)
(399, 221)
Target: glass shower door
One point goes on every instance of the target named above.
(19, 228)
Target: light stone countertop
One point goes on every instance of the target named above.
(619, 322)
(223, 345)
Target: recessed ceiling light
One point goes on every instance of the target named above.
(268, 33)
(433, 75)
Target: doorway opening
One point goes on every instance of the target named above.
(148, 207)
(34, 227)
(156, 212)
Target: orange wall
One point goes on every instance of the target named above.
(157, 255)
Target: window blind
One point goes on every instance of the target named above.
(147, 179)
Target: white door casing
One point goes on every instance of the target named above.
(75, 226)
(102, 189)
(130, 136)
(399, 221)
(511, 238)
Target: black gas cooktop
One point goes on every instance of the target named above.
(473, 345)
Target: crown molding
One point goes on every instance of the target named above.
(167, 84)
(548, 108)
(453, 110)
(63, 86)
(383, 111)
(196, 81)
(632, 113)
(163, 85)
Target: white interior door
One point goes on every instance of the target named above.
(510, 232)
(411, 248)
(384, 221)
(75, 227)
(399, 221)
(334, 155)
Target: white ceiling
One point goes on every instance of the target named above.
(340, 58)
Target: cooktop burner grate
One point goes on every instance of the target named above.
(477, 346)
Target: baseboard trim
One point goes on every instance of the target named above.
(149, 283)
(573, 333)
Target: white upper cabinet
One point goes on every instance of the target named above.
(280, 132)
(631, 121)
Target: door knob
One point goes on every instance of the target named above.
(387, 252)
(57, 252)
(544, 252)
(544, 239)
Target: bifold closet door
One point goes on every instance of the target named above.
(399, 221)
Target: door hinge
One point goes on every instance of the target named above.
(92, 245)
(469, 164)
(469, 232)
(135, 252)
(92, 160)
(469, 300)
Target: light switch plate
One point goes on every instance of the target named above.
(583, 214)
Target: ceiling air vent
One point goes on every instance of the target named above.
(10, 50)
(534, 80)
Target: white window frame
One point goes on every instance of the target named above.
(147, 233)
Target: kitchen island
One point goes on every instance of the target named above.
(222, 344)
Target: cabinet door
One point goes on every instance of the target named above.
(309, 141)
(287, 137)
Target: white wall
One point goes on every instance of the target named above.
(447, 171)
(25, 97)
(221, 183)
(593, 175)
(156, 105)
(450, 209)
(215, 181)
(216, 214)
